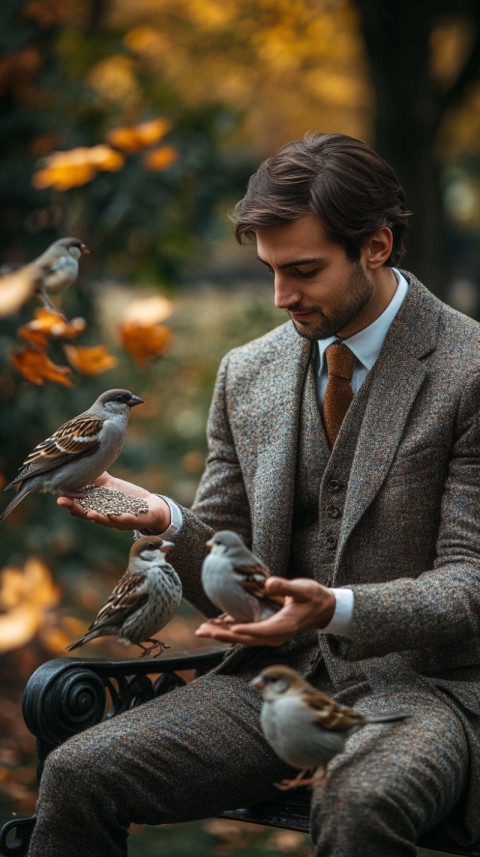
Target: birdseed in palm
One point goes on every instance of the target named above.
(108, 501)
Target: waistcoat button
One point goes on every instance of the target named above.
(333, 511)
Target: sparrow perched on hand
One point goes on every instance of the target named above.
(234, 580)
(304, 726)
(144, 600)
(79, 451)
(56, 268)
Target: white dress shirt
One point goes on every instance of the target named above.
(366, 346)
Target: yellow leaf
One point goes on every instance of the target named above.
(15, 288)
(25, 594)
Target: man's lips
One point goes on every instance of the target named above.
(300, 315)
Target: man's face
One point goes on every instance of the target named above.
(321, 289)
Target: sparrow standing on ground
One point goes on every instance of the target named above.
(305, 727)
(56, 268)
(144, 600)
(78, 452)
(234, 580)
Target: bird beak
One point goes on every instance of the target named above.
(166, 546)
(209, 544)
(85, 249)
(257, 682)
(135, 400)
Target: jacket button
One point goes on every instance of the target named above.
(335, 485)
(331, 542)
(333, 511)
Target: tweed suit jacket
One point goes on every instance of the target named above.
(409, 537)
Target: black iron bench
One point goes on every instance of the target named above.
(67, 695)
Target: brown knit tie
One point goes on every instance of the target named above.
(338, 392)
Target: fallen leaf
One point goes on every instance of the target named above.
(90, 360)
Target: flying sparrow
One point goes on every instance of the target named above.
(56, 268)
(144, 600)
(304, 726)
(79, 451)
(234, 580)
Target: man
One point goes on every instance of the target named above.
(370, 521)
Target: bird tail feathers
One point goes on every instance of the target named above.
(11, 506)
(76, 644)
(387, 716)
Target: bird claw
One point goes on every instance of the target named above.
(302, 779)
(155, 644)
(224, 620)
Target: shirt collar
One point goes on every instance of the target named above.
(367, 343)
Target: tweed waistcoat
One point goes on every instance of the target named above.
(321, 481)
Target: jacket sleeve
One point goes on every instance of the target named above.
(220, 503)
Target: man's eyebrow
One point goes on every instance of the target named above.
(295, 263)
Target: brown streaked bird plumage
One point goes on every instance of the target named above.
(144, 600)
(305, 727)
(78, 452)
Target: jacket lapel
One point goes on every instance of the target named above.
(391, 390)
(276, 461)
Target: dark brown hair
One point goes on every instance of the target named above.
(351, 188)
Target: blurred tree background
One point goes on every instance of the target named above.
(135, 126)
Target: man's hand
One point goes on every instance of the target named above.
(307, 605)
(156, 520)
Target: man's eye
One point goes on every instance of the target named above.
(306, 275)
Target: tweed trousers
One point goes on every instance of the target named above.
(199, 750)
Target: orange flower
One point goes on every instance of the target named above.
(161, 158)
(135, 137)
(76, 167)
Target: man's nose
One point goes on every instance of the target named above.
(286, 294)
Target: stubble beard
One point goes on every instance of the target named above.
(360, 290)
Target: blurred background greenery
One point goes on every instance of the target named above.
(135, 126)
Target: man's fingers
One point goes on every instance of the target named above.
(281, 586)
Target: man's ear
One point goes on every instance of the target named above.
(377, 248)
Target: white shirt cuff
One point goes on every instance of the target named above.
(176, 522)
(342, 620)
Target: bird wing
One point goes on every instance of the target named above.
(74, 439)
(252, 576)
(331, 715)
(124, 600)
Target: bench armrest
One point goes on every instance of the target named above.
(64, 696)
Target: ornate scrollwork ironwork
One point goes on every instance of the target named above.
(67, 695)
